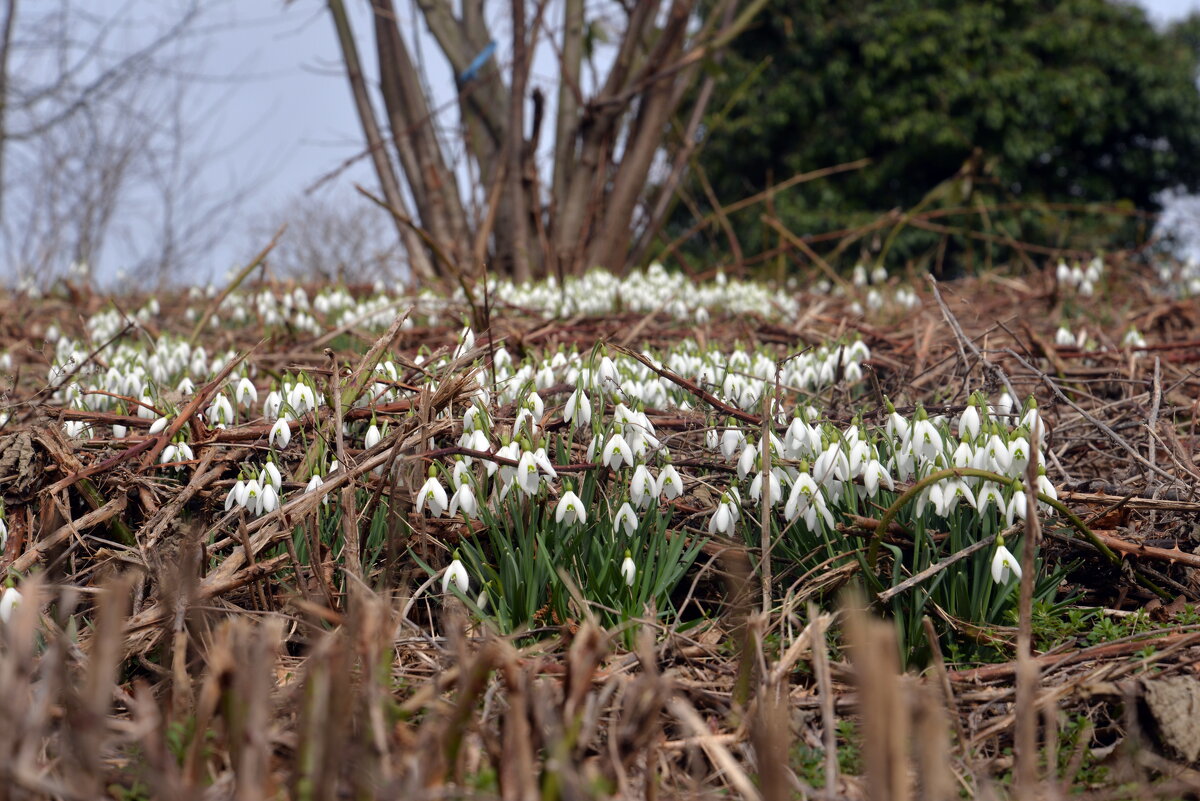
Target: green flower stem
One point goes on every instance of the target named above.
(961, 472)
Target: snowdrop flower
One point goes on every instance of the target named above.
(268, 500)
(466, 341)
(1046, 488)
(527, 477)
(9, 602)
(1018, 456)
(272, 404)
(3, 535)
(723, 518)
(927, 442)
(1004, 564)
(543, 462)
(461, 473)
(248, 498)
(1033, 421)
(617, 452)
(989, 494)
(1018, 506)
(625, 519)
(947, 494)
(220, 412)
(433, 495)
(314, 484)
(464, 499)
(169, 454)
(968, 423)
(642, 488)
(1004, 405)
(302, 398)
(185, 386)
(731, 439)
(270, 475)
(712, 440)
(1063, 337)
(776, 489)
(245, 394)
(281, 433)
(606, 376)
(669, 483)
(456, 574)
(747, 460)
(579, 410)
(875, 474)
(159, 426)
(628, 569)
(373, 437)
(806, 499)
(570, 509)
(120, 431)
(998, 456)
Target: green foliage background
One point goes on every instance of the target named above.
(957, 104)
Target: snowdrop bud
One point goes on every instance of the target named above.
(159, 425)
(1004, 564)
(628, 569)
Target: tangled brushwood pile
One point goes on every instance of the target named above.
(614, 538)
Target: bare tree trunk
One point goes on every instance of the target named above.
(596, 128)
(610, 245)
(434, 187)
(515, 147)
(6, 34)
(569, 97)
(418, 258)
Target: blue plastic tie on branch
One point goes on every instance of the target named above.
(477, 63)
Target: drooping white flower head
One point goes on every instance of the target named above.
(642, 488)
(626, 520)
(432, 495)
(1004, 564)
(457, 574)
(281, 433)
(8, 603)
(617, 452)
(628, 569)
(669, 483)
(464, 499)
(569, 509)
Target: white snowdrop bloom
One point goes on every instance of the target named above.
(432, 495)
(731, 440)
(1018, 506)
(528, 478)
(119, 431)
(806, 500)
(220, 411)
(747, 460)
(569, 509)
(669, 483)
(626, 520)
(988, 495)
(723, 519)
(169, 454)
(185, 386)
(951, 492)
(712, 440)
(1004, 405)
(272, 404)
(3, 535)
(927, 442)
(1064, 338)
(776, 489)
(963, 455)
(281, 432)
(968, 423)
(1045, 487)
(159, 425)
(874, 475)
(466, 341)
(642, 487)
(578, 411)
(1033, 421)
(456, 574)
(628, 569)
(464, 499)
(606, 376)
(245, 394)
(1004, 564)
(270, 475)
(617, 452)
(998, 456)
(508, 472)
(9, 601)
(543, 462)
(314, 484)
(1018, 457)
(1133, 339)
(372, 438)
(535, 404)
(460, 474)
(268, 500)
(302, 398)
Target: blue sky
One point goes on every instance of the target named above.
(280, 107)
